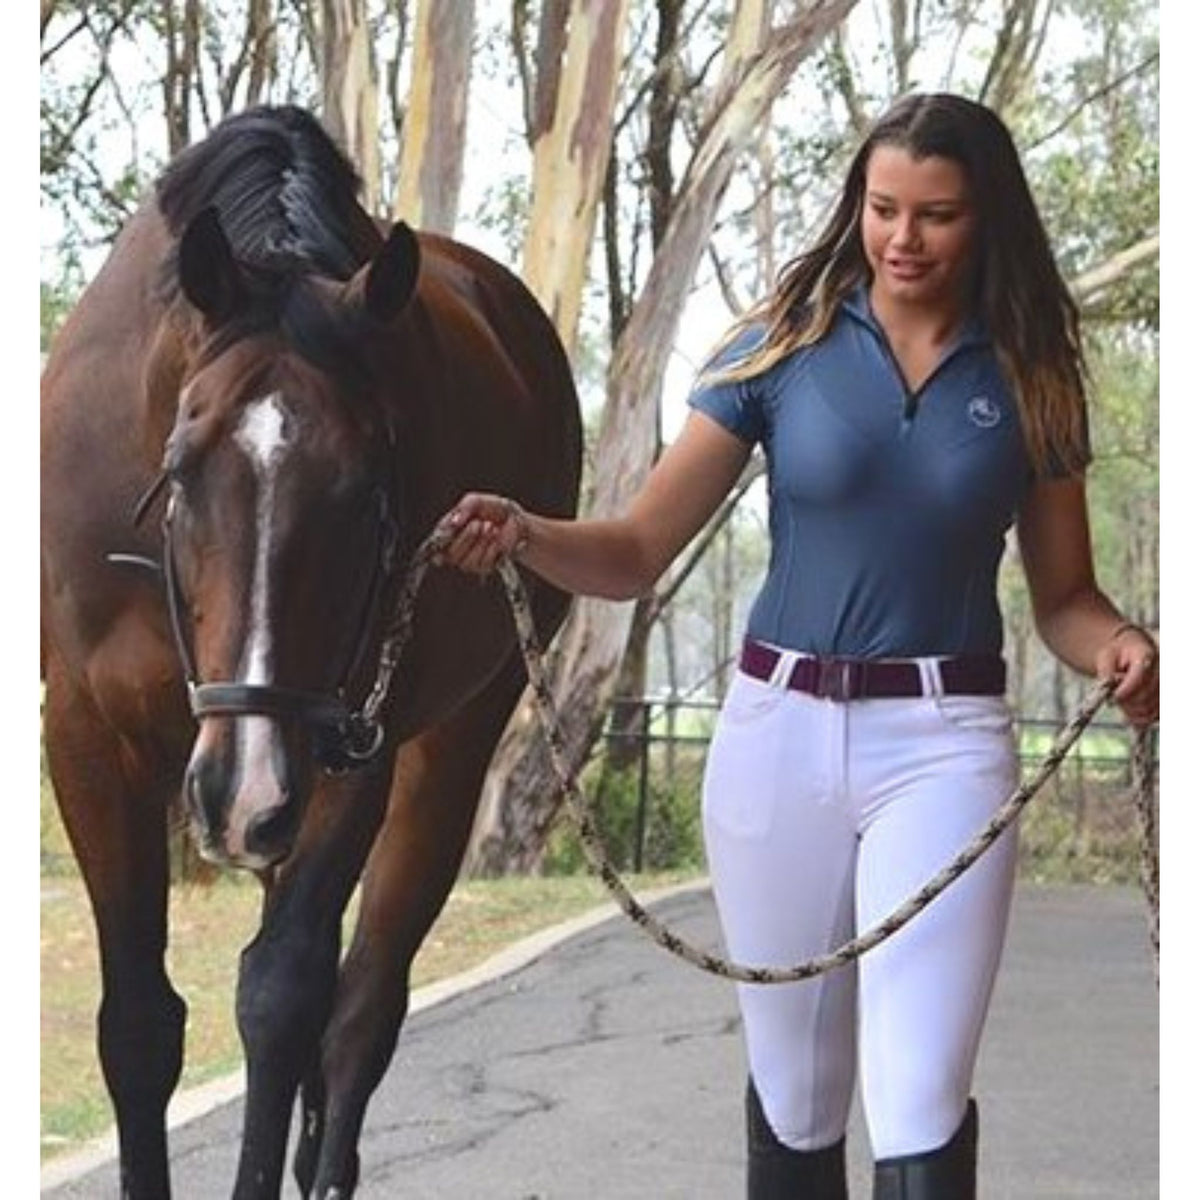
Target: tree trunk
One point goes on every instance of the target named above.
(182, 38)
(521, 799)
(264, 51)
(256, 60)
(435, 124)
(724, 635)
(1017, 46)
(350, 104)
(572, 140)
(626, 720)
(904, 42)
(663, 111)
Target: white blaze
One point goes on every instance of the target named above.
(262, 436)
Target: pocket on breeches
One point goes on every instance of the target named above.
(979, 714)
(741, 776)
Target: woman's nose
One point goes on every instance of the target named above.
(907, 232)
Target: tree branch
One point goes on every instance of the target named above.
(1091, 283)
(843, 78)
(518, 38)
(1091, 98)
(70, 35)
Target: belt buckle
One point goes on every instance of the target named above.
(839, 679)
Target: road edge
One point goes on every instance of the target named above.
(197, 1102)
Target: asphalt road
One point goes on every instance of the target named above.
(605, 1069)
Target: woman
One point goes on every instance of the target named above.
(916, 383)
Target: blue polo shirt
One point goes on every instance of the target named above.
(888, 509)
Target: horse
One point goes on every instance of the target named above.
(251, 421)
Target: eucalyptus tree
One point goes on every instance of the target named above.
(434, 119)
(520, 802)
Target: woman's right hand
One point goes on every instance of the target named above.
(482, 529)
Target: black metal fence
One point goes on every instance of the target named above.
(645, 783)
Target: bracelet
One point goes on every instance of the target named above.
(517, 515)
(1132, 627)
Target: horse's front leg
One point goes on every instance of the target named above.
(288, 974)
(410, 872)
(114, 806)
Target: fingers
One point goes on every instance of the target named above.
(476, 524)
(1137, 691)
(475, 548)
(475, 506)
(1140, 704)
(1135, 674)
(1140, 712)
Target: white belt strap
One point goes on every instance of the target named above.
(931, 676)
(782, 671)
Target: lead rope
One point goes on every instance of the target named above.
(1144, 798)
(593, 844)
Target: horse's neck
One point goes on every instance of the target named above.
(163, 373)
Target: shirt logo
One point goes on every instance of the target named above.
(984, 412)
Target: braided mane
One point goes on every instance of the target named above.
(286, 195)
(287, 200)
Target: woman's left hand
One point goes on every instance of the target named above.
(1132, 657)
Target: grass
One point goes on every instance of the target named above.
(209, 925)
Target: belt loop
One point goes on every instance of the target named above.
(781, 672)
(931, 676)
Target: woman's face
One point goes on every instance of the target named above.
(918, 229)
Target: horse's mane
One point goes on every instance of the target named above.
(287, 200)
(286, 195)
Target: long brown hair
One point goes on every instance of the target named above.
(1018, 290)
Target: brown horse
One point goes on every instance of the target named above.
(257, 411)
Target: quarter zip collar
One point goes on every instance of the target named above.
(973, 333)
(857, 303)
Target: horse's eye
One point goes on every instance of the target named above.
(179, 473)
(174, 482)
(178, 461)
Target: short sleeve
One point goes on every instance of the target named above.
(734, 404)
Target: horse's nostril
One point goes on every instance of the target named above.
(205, 786)
(269, 834)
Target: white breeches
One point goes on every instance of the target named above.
(820, 819)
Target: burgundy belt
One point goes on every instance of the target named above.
(863, 679)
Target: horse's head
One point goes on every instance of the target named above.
(282, 530)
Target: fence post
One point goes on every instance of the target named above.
(643, 788)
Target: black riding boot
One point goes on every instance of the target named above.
(777, 1172)
(947, 1173)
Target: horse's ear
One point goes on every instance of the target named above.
(208, 274)
(392, 275)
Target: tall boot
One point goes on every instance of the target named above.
(947, 1173)
(777, 1172)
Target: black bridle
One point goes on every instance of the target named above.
(343, 737)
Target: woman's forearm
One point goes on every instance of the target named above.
(1077, 629)
(614, 558)
(588, 558)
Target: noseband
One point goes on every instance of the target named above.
(343, 738)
